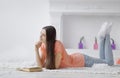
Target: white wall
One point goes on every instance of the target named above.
(20, 24)
(76, 5)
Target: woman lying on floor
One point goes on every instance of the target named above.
(51, 54)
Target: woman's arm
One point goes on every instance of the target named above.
(38, 59)
(58, 57)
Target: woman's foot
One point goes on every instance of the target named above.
(109, 27)
(103, 30)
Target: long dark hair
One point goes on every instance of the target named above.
(50, 44)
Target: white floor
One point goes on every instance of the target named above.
(19, 74)
(56, 75)
(12, 73)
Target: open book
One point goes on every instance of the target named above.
(30, 69)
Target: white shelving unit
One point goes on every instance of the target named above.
(62, 12)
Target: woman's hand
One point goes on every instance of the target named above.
(38, 58)
(37, 45)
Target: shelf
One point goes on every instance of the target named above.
(87, 12)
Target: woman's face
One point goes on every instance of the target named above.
(43, 36)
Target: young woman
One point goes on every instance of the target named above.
(51, 54)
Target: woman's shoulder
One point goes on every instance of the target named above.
(58, 42)
(59, 46)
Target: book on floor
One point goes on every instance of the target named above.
(30, 69)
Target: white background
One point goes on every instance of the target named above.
(20, 25)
